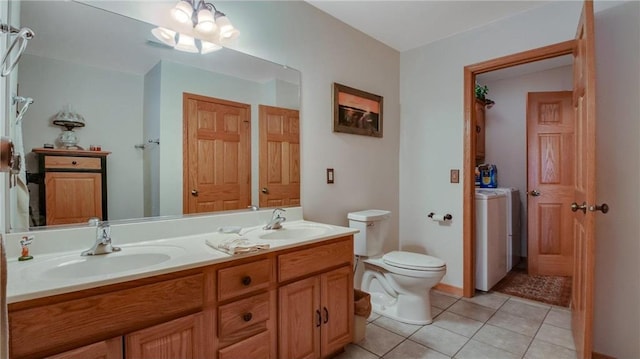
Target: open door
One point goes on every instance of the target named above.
(584, 205)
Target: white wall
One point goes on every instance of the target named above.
(111, 103)
(432, 131)
(506, 129)
(151, 151)
(617, 291)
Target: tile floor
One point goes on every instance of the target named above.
(489, 325)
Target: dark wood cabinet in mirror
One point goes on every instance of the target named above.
(129, 89)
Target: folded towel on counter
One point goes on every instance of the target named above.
(234, 244)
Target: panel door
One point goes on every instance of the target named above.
(72, 197)
(217, 155)
(279, 157)
(300, 319)
(181, 338)
(107, 349)
(551, 156)
(337, 310)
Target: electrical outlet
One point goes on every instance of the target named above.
(455, 176)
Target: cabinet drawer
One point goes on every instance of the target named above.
(243, 317)
(244, 278)
(297, 264)
(70, 162)
(256, 347)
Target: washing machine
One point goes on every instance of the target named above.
(514, 244)
(491, 233)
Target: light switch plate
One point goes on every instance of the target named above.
(455, 176)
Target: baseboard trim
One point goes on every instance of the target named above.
(595, 355)
(449, 289)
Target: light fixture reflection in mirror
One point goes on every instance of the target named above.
(121, 98)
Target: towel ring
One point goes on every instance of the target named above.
(22, 37)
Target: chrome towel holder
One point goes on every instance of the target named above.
(23, 35)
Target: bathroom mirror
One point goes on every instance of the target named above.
(128, 86)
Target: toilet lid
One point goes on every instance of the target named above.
(415, 261)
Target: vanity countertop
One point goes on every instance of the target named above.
(63, 272)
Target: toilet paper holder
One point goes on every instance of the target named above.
(447, 217)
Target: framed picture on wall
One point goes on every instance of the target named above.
(356, 112)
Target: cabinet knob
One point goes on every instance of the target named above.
(74, 162)
(247, 317)
(246, 280)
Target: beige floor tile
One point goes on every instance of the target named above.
(379, 340)
(457, 324)
(503, 339)
(397, 327)
(514, 323)
(526, 310)
(442, 300)
(471, 310)
(540, 349)
(559, 318)
(555, 335)
(435, 311)
(439, 339)
(353, 351)
(476, 350)
(373, 317)
(491, 300)
(412, 350)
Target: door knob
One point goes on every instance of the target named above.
(576, 207)
(603, 207)
(534, 193)
(265, 190)
(194, 192)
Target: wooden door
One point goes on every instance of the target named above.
(181, 338)
(279, 157)
(300, 319)
(217, 154)
(337, 310)
(480, 129)
(550, 181)
(107, 349)
(584, 104)
(72, 197)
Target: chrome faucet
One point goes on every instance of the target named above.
(103, 240)
(276, 219)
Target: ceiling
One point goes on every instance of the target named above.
(405, 25)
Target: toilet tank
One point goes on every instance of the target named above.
(374, 227)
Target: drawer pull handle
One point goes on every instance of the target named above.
(326, 315)
(318, 318)
(74, 162)
(246, 280)
(247, 317)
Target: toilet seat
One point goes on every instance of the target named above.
(413, 261)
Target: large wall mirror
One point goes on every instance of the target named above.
(136, 97)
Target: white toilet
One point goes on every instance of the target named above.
(399, 282)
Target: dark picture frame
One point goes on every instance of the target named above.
(356, 111)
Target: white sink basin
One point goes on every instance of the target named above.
(128, 259)
(296, 232)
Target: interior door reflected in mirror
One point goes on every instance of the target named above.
(130, 89)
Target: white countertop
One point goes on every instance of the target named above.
(34, 279)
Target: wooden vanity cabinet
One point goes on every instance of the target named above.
(182, 338)
(73, 185)
(316, 310)
(107, 349)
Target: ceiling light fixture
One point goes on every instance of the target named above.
(206, 30)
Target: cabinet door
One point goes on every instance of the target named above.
(300, 319)
(108, 349)
(181, 338)
(73, 197)
(337, 309)
(480, 130)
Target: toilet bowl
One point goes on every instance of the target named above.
(399, 282)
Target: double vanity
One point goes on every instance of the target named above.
(166, 295)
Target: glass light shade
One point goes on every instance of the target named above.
(227, 31)
(207, 47)
(182, 12)
(186, 43)
(165, 35)
(206, 23)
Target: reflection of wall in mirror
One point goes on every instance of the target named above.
(113, 104)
